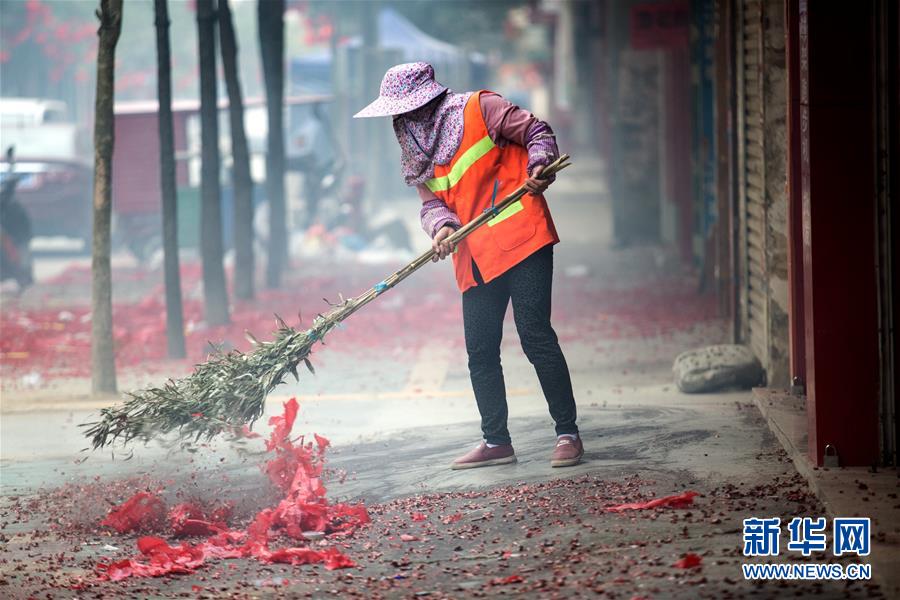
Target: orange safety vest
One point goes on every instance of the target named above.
(478, 174)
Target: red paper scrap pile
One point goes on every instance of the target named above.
(296, 469)
(688, 561)
(188, 519)
(678, 501)
(142, 511)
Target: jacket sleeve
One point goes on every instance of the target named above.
(507, 123)
(435, 213)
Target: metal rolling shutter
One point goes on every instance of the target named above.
(753, 184)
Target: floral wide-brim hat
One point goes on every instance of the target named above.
(404, 88)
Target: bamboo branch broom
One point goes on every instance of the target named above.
(229, 390)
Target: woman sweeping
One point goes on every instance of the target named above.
(462, 152)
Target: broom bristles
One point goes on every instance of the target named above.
(221, 395)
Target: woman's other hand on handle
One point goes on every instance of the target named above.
(442, 248)
(534, 184)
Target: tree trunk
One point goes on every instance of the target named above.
(214, 291)
(174, 316)
(270, 17)
(103, 369)
(243, 184)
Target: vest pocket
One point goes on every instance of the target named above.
(513, 231)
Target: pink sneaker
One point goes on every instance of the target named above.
(568, 452)
(482, 456)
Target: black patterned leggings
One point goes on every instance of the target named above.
(529, 285)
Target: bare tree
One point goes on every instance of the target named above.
(174, 316)
(103, 369)
(243, 184)
(270, 23)
(211, 247)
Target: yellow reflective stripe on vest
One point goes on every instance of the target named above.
(506, 213)
(469, 158)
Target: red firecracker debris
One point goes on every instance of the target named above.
(52, 339)
(507, 580)
(245, 432)
(143, 511)
(222, 513)
(677, 501)
(296, 469)
(688, 561)
(417, 516)
(336, 560)
(322, 442)
(188, 519)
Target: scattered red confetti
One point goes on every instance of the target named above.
(677, 501)
(54, 341)
(507, 580)
(688, 561)
(142, 511)
(296, 469)
(417, 516)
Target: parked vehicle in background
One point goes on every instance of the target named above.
(52, 168)
(22, 112)
(56, 194)
(136, 195)
(42, 128)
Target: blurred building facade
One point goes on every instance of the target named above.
(759, 138)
